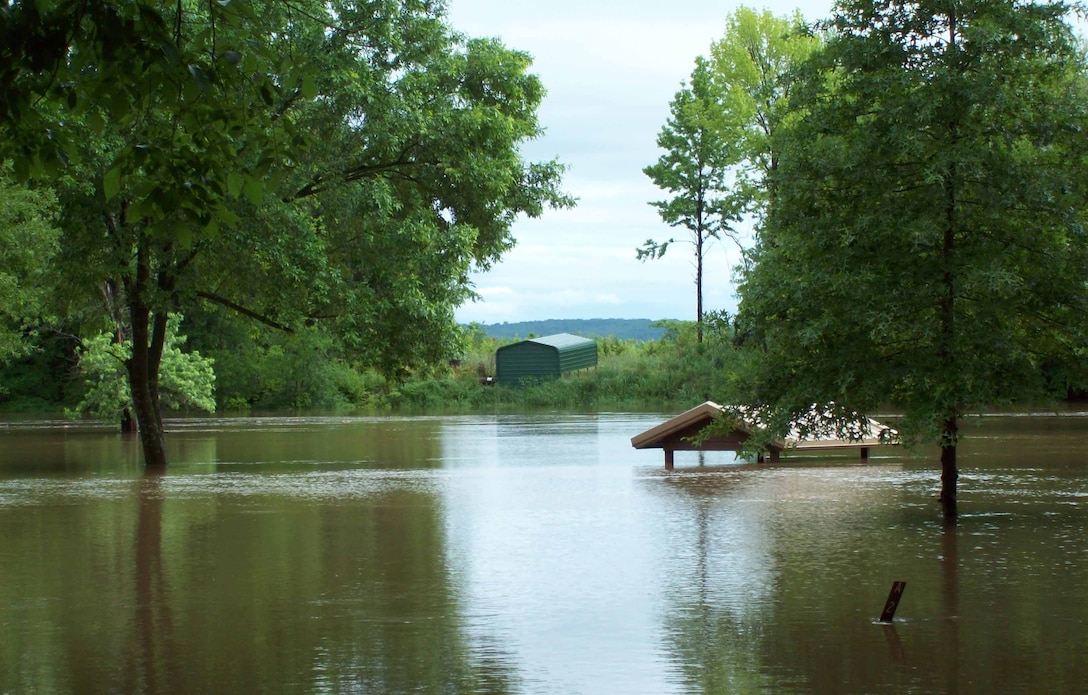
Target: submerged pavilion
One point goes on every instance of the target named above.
(680, 433)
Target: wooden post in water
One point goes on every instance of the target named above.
(893, 601)
(669, 459)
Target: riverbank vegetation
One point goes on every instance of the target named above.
(337, 162)
(261, 369)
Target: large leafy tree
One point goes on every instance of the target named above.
(718, 142)
(753, 68)
(294, 162)
(926, 245)
(696, 170)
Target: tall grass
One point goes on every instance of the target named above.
(670, 373)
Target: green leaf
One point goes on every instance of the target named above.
(254, 190)
(111, 182)
(235, 181)
(95, 122)
(309, 86)
(184, 235)
(228, 216)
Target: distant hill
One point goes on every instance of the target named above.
(624, 329)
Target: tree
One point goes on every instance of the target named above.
(294, 162)
(926, 246)
(753, 72)
(186, 379)
(28, 242)
(696, 169)
(718, 142)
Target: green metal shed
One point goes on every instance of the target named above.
(544, 358)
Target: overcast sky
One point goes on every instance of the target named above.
(610, 69)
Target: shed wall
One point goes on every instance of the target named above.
(578, 357)
(526, 360)
(544, 358)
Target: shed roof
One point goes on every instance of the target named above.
(695, 419)
(562, 340)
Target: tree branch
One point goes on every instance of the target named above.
(223, 301)
(318, 184)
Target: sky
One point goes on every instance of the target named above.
(610, 69)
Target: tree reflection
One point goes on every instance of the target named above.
(950, 593)
(154, 627)
(328, 580)
(718, 576)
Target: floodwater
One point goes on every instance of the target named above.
(533, 554)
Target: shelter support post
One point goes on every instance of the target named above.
(864, 453)
(669, 459)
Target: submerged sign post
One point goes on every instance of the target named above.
(893, 601)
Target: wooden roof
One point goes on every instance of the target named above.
(686, 424)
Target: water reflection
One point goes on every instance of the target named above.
(514, 554)
(950, 592)
(151, 671)
(326, 581)
(720, 585)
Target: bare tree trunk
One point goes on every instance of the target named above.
(950, 433)
(699, 285)
(128, 423)
(949, 472)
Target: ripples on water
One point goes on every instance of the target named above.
(533, 554)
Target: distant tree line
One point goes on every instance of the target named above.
(623, 329)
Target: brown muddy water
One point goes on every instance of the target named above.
(533, 554)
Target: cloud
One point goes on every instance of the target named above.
(610, 70)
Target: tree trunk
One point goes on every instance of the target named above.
(699, 286)
(148, 338)
(949, 437)
(145, 399)
(699, 233)
(949, 473)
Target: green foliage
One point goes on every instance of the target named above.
(695, 170)
(260, 368)
(28, 243)
(167, 75)
(42, 379)
(674, 372)
(695, 165)
(186, 379)
(719, 141)
(336, 161)
(926, 246)
(754, 71)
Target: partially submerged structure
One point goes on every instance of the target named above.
(544, 358)
(681, 433)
